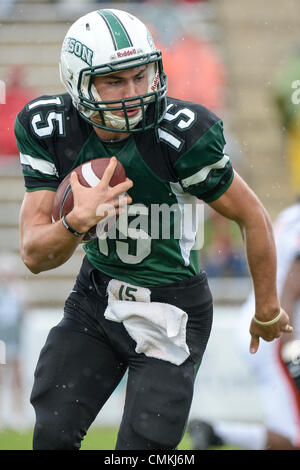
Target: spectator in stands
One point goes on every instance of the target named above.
(12, 310)
(17, 95)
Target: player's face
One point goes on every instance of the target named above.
(124, 84)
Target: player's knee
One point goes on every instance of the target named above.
(51, 434)
(152, 430)
(159, 420)
(136, 439)
(161, 433)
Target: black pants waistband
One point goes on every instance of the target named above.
(189, 292)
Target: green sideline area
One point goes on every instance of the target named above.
(96, 439)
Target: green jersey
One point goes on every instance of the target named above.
(172, 168)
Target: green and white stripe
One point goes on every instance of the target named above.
(188, 229)
(118, 32)
(202, 174)
(56, 101)
(38, 164)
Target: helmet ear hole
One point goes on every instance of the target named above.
(70, 73)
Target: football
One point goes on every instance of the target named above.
(89, 175)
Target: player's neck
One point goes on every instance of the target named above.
(108, 136)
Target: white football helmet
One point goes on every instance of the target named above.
(107, 41)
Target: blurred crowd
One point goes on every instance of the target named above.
(13, 308)
(17, 94)
(6, 6)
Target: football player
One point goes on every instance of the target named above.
(275, 367)
(140, 302)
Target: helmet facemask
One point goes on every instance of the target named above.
(100, 113)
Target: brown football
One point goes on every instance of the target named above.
(89, 175)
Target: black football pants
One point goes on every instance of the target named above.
(85, 357)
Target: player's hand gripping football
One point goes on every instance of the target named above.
(268, 332)
(91, 205)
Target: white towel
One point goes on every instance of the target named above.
(159, 329)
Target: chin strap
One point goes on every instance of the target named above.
(119, 122)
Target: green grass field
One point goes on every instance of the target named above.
(96, 439)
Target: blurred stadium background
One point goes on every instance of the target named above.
(236, 54)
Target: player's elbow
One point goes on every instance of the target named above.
(31, 264)
(28, 258)
(33, 269)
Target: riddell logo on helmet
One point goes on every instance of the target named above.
(155, 82)
(126, 53)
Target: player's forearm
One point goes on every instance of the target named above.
(47, 246)
(262, 260)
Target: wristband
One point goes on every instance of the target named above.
(270, 322)
(68, 227)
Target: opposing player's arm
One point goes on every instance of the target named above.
(291, 290)
(239, 203)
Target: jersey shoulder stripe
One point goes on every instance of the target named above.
(199, 161)
(38, 168)
(183, 124)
